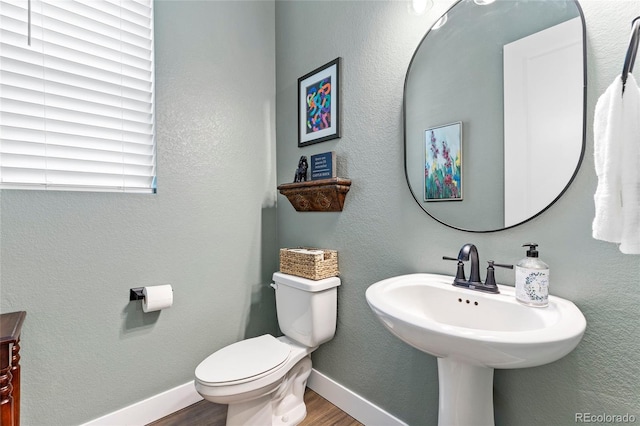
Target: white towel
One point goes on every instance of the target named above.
(617, 160)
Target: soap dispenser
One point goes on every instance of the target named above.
(532, 279)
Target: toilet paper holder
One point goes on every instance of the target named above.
(136, 293)
(154, 298)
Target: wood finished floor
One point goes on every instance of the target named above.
(320, 412)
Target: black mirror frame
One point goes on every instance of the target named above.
(584, 130)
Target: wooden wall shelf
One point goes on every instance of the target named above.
(324, 195)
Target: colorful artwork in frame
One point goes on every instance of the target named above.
(319, 104)
(443, 163)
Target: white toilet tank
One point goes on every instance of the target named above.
(306, 309)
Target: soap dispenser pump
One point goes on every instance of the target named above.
(532, 279)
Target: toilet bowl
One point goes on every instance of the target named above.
(263, 379)
(246, 373)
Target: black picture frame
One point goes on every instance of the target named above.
(319, 104)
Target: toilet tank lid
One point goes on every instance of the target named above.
(305, 283)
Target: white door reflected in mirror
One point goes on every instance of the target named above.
(542, 131)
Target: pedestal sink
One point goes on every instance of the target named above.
(472, 333)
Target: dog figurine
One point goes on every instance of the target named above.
(301, 171)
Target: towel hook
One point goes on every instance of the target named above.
(632, 50)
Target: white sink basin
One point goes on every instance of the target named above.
(472, 333)
(492, 330)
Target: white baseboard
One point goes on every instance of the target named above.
(351, 403)
(165, 403)
(151, 409)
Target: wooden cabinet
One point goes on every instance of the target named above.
(10, 327)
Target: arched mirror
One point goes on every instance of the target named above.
(494, 111)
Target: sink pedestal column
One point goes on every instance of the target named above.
(466, 394)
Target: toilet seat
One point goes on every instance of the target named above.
(243, 361)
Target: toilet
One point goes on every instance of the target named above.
(263, 379)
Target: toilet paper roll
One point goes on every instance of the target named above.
(157, 297)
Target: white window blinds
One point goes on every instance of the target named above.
(77, 95)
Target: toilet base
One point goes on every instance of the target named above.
(284, 407)
(254, 412)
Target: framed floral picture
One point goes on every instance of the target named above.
(443, 163)
(319, 104)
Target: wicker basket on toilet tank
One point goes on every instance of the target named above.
(311, 263)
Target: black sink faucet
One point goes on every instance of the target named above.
(470, 252)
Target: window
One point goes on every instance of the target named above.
(77, 95)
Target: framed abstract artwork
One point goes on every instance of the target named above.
(443, 163)
(319, 104)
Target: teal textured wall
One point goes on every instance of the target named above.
(69, 259)
(382, 232)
